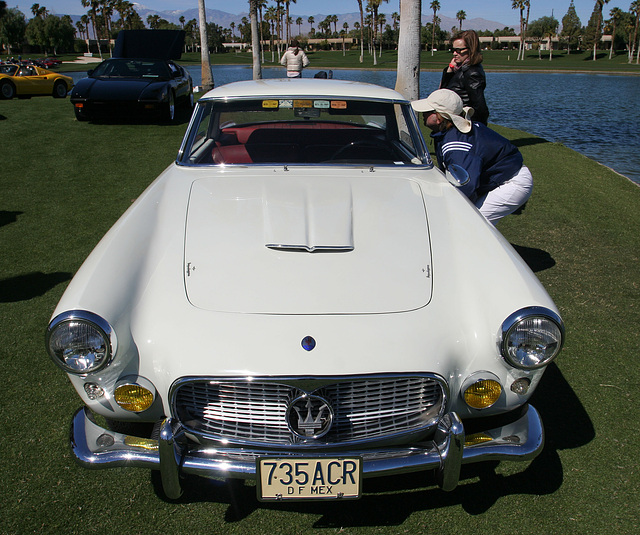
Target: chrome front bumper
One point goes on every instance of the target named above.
(96, 447)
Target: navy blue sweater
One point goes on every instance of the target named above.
(489, 158)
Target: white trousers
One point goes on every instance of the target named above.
(507, 197)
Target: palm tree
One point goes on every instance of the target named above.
(207, 77)
(262, 4)
(361, 31)
(334, 20)
(106, 9)
(435, 6)
(232, 25)
(270, 16)
(255, 39)
(635, 10)
(616, 15)
(299, 25)
(382, 20)
(395, 17)
(598, 7)
(311, 20)
(287, 19)
(521, 5)
(344, 34)
(93, 6)
(408, 77)
(460, 16)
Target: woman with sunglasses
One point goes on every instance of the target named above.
(465, 74)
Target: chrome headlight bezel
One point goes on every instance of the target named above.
(551, 326)
(95, 327)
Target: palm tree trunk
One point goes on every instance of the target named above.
(408, 77)
(207, 77)
(255, 40)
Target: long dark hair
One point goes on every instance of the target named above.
(296, 45)
(472, 42)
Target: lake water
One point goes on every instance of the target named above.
(596, 115)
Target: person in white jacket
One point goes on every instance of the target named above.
(294, 59)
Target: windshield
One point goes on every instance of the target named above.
(132, 68)
(8, 69)
(303, 131)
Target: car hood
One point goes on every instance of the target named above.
(307, 244)
(108, 89)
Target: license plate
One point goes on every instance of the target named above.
(309, 479)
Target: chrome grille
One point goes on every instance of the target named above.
(254, 411)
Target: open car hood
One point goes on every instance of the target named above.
(299, 245)
(157, 44)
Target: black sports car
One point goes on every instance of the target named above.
(140, 78)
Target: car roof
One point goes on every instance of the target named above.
(310, 88)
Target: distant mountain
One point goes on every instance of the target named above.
(224, 19)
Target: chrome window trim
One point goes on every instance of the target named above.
(427, 163)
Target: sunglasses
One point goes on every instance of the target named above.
(461, 51)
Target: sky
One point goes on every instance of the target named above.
(494, 10)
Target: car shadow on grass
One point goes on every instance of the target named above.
(182, 116)
(25, 287)
(8, 217)
(389, 501)
(537, 259)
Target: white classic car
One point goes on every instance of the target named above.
(304, 300)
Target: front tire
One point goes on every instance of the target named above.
(80, 115)
(60, 89)
(190, 100)
(7, 90)
(170, 108)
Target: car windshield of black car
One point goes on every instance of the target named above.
(132, 68)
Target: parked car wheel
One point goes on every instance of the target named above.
(170, 108)
(190, 100)
(80, 115)
(60, 89)
(7, 90)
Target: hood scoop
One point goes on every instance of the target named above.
(312, 218)
(310, 242)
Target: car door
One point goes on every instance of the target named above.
(30, 82)
(180, 80)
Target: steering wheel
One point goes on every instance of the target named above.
(375, 144)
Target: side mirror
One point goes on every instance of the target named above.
(457, 175)
(89, 72)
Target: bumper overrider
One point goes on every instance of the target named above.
(93, 446)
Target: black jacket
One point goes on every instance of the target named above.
(469, 82)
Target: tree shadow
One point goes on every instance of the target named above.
(599, 55)
(536, 259)
(389, 501)
(25, 287)
(7, 217)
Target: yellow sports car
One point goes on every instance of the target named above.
(30, 80)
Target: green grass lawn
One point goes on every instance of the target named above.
(494, 60)
(64, 183)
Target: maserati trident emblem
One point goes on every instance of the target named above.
(309, 416)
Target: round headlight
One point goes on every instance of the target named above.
(531, 338)
(80, 342)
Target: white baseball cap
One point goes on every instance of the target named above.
(448, 104)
